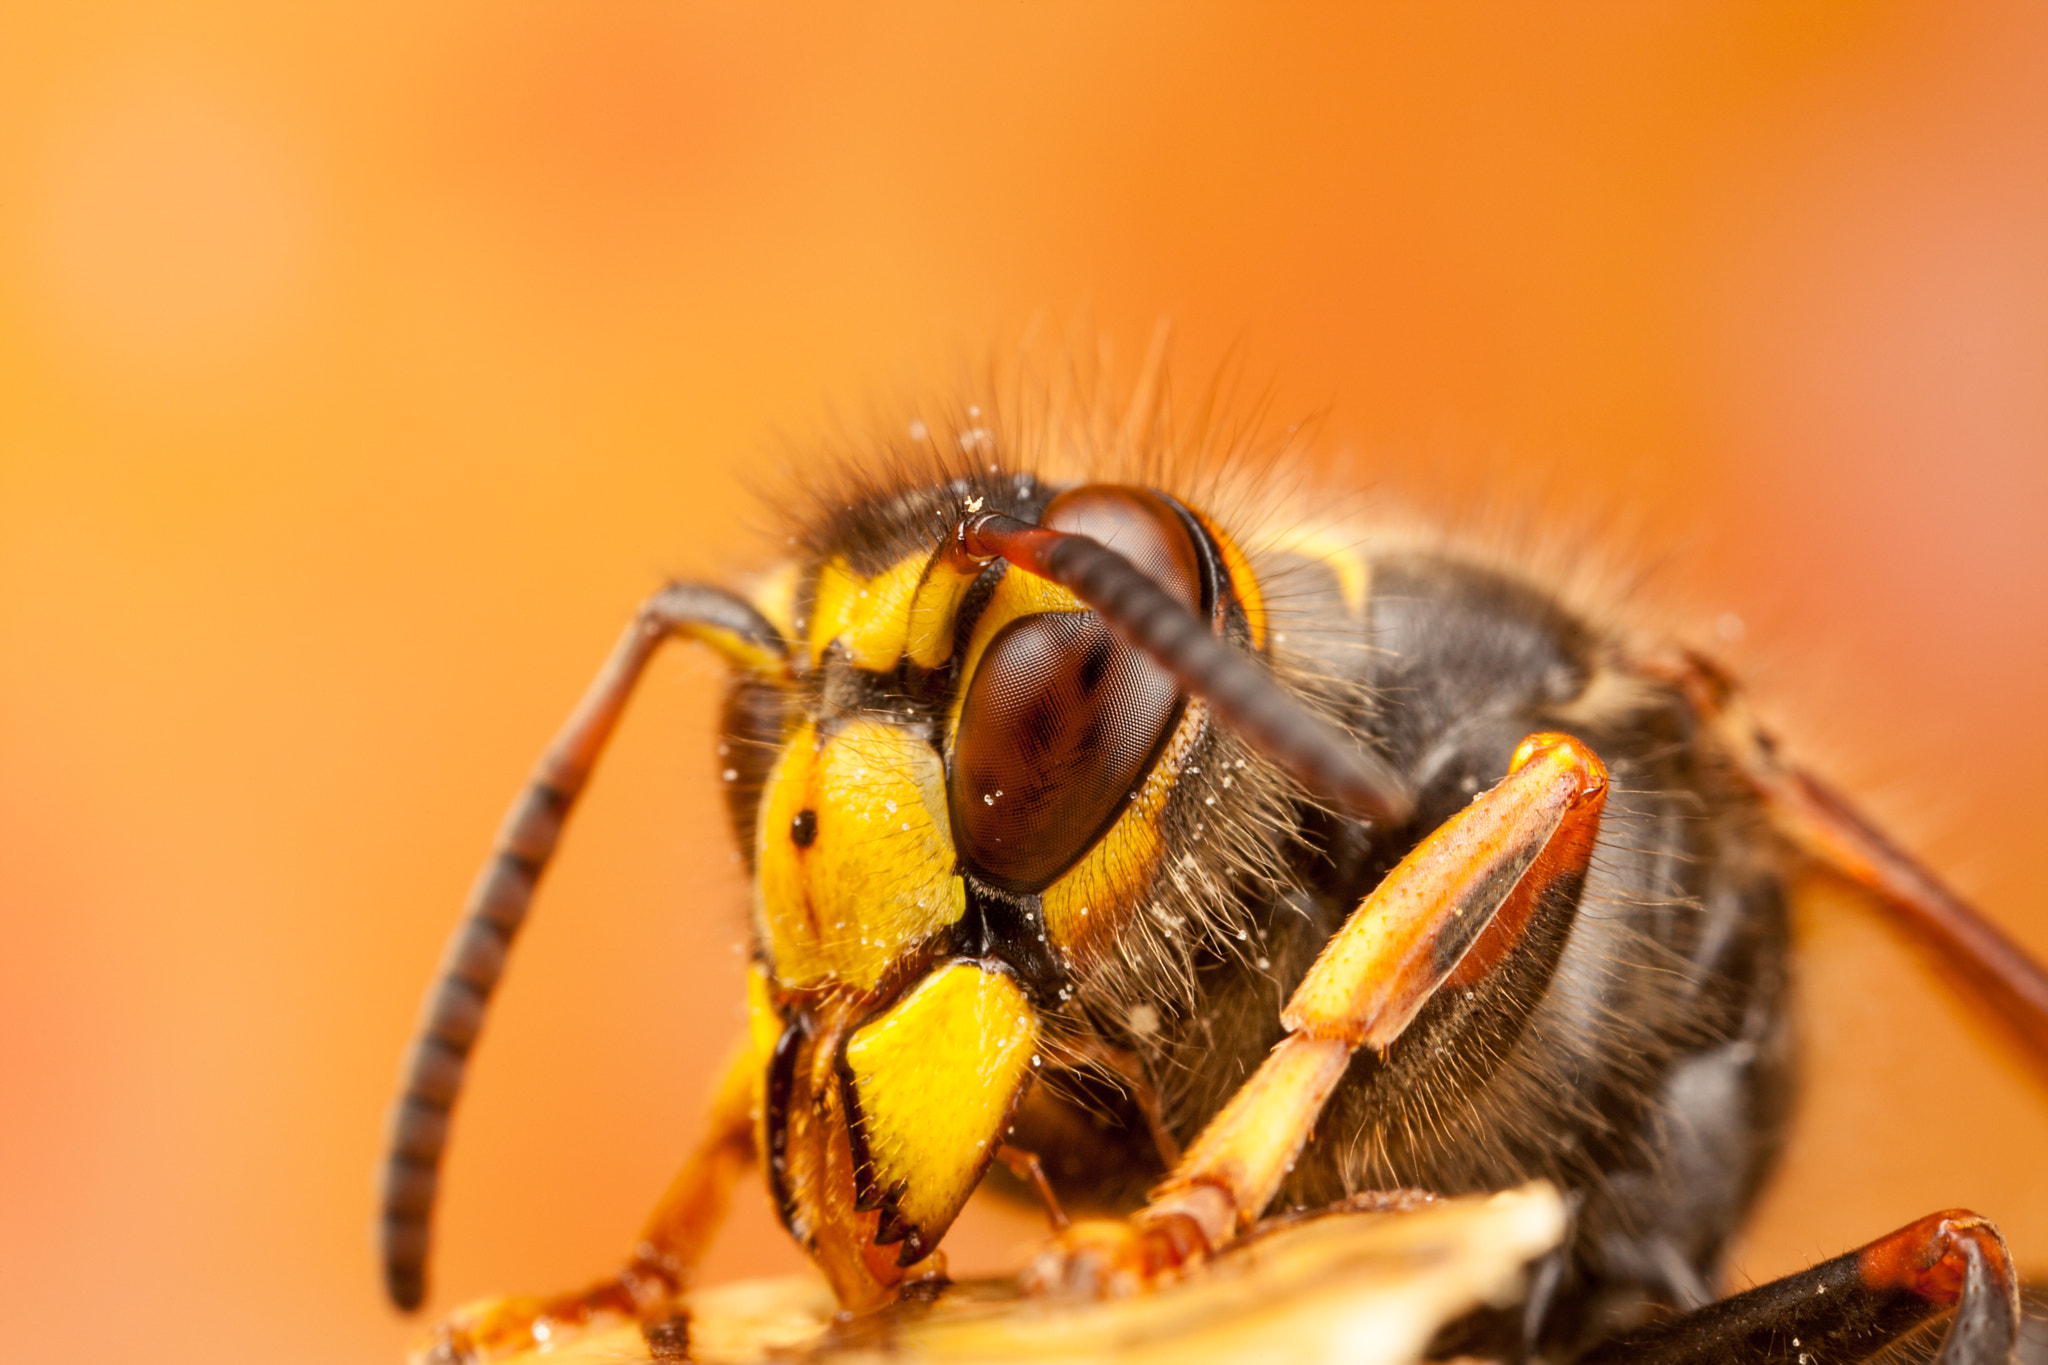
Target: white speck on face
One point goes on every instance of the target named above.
(1731, 628)
(1142, 1021)
(919, 431)
(1084, 909)
(973, 504)
(541, 1331)
(1265, 963)
(974, 410)
(731, 774)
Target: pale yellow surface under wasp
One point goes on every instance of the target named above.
(877, 874)
(1365, 1288)
(936, 1078)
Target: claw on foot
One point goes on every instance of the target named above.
(1113, 1259)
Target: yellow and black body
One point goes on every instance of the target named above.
(1089, 821)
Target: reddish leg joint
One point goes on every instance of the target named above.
(1936, 1257)
(1854, 1306)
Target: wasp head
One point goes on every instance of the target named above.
(952, 817)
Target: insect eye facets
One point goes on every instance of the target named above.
(1062, 719)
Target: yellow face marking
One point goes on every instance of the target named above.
(869, 617)
(764, 1031)
(764, 1027)
(934, 609)
(855, 855)
(934, 1082)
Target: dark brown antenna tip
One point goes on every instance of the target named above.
(1326, 760)
(498, 902)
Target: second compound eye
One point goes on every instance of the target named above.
(1060, 725)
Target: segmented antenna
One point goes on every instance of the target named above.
(475, 957)
(1323, 758)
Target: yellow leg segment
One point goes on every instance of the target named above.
(673, 1240)
(1444, 916)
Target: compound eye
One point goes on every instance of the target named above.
(1062, 720)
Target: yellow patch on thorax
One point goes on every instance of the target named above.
(1337, 551)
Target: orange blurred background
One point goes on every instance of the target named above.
(361, 366)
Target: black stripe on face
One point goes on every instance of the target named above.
(1009, 928)
(781, 1086)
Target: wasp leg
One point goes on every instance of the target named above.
(1027, 1168)
(1993, 969)
(475, 957)
(1853, 1307)
(659, 1267)
(1445, 914)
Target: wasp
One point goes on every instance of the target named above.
(1195, 863)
